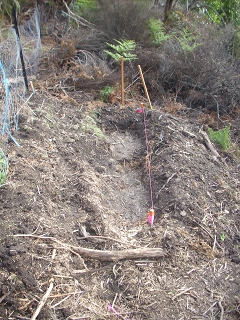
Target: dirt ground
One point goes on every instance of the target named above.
(79, 180)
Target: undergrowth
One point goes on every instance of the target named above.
(3, 168)
(221, 137)
(106, 92)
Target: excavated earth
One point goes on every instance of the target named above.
(80, 180)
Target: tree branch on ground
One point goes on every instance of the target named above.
(106, 255)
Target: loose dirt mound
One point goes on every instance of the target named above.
(79, 180)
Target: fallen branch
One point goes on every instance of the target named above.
(121, 255)
(105, 255)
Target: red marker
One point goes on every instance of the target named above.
(140, 110)
(151, 217)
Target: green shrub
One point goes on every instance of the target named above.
(3, 168)
(105, 93)
(82, 7)
(126, 19)
(157, 32)
(187, 40)
(221, 137)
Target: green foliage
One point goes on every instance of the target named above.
(187, 40)
(218, 11)
(223, 11)
(6, 7)
(122, 49)
(221, 137)
(223, 237)
(105, 93)
(3, 168)
(157, 32)
(84, 5)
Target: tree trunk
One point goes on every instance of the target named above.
(167, 10)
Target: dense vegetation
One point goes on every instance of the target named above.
(190, 49)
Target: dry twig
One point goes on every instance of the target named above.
(209, 144)
(42, 301)
(182, 292)
(4, 296)
(168, 180)
(221, 308)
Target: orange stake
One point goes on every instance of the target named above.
(144, 86)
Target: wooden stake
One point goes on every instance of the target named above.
(122, 80)
(144, 86)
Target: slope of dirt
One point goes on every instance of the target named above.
(79, 179)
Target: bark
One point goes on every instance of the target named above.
(167, 9)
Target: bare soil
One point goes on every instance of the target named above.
(79, 180)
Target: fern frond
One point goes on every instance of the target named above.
(123, 49)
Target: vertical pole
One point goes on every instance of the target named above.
(144, 86)
(122, 80)
(19, 47)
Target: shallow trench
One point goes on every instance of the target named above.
(123, 188)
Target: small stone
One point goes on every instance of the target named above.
(119, 168)
(75, 127)
(183, 213)
(69, 140)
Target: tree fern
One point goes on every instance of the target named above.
(122, 49)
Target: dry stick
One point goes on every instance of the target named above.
(182, 292)
(222, 310)
(106, 255)
(204, 229)
(58, 303)
(77, 18)
(209, 144)
(42, 302)
(4, 296)
(144, 86)
(210, 307)
(66, 294)
(122, 80)
(168, 180)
